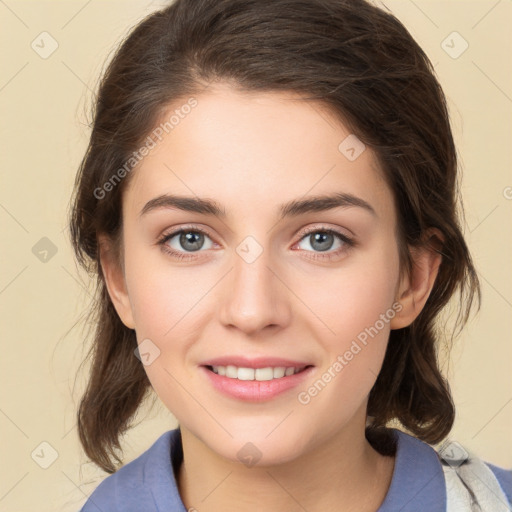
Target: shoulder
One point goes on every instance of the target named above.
(418, 479)
(486, 482)
(146, 483)
(504, 477)
(471, 481)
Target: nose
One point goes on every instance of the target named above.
(255, 296)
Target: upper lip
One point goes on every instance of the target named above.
(256, 362)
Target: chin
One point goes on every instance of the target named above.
(258, 448)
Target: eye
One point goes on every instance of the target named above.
(322, 240)
(183, 241)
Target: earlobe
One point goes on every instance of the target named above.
(115, 282)
(415, 288)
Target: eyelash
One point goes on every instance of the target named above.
(349, 243)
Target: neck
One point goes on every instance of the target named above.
(344, 474)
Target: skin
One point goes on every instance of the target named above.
(251, 152)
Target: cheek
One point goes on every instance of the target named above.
(356, 306)
(353, 297)
(164, 312)
(162, 297)
(170, 307)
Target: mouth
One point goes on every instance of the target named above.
(256, 384)
(257, 374)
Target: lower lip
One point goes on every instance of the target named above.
(255, 390)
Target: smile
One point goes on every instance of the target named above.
(259, 374)
(255, 384)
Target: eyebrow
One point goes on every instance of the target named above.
(292, 208)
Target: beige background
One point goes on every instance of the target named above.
(44, 131)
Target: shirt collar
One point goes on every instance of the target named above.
(418, 478)
(417, 482)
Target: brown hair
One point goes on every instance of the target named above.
(364, 66)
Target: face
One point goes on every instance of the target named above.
(257, 284)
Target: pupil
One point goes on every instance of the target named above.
(319, 241)
(194, 239)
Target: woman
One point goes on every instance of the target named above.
(268, 201)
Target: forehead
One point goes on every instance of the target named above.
(255, 149)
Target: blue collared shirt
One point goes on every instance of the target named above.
(148, 483)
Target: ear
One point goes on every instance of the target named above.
(115, 281)
(414, 290)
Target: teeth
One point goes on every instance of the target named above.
(260, 374)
